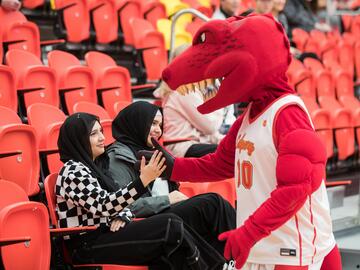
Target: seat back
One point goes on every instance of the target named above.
(109, 75)
(191, 189)
(42, 116)
(83, 106)
(301, 79)
(22, 169)
(155, 59)
(47, 120)
(72, 75)
(300, 37)
(173, 6)
(49, 186)
(8, 116)
(153, 10)
(15, 26)
(225, 188)
(118, 106)
(76, 19)
(323, 78)
(11, 193)
(106, 23)
(31, 73)
(20, 218)
(128, 10)
(8, 97)
(346, 57)
(61, 60)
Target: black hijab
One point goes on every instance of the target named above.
(74, 144)
(132, 125)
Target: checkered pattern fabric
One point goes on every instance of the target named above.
(82, 202)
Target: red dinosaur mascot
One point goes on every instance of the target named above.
(272, 150)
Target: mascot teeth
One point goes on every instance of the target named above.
(208, 88)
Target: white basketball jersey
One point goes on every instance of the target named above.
(306, 237)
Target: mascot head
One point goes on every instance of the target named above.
(230, 60)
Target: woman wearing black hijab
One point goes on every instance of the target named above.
(87, 195)
(208, 214)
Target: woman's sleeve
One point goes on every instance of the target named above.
(83, 190)
(149, 206)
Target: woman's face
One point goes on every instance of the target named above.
(97, 140)
(279, 5)
(155, 129)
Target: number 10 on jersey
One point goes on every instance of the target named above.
(245, 173)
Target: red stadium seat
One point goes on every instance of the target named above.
(118, 106)
(8, 96)
(75, 18)
(105, 120)
(110, 76)
(24, 168)
(76, 82)
(128, 10)
(300, 38)
(192, 189)
(346, 57)
(50, 182)
(28, 223)
(14, 25)
(152, 43)
(113, 82)
(153, 10)
(225, 188)
(319, 43)
(105, 20)
(36, 83)
(47, 120)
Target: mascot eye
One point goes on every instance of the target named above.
(202, 38)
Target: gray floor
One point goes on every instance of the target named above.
(346, 220)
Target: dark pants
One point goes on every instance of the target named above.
(200, 149)
(162, 242)
(209, 215)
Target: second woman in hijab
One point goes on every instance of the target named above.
(208, 214)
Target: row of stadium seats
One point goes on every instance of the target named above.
(333, 107)
(25, 80)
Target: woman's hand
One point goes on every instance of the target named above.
(153, 169)
(116, 224)
(176, 196)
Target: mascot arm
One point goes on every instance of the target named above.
(212, 167)
(300, 170)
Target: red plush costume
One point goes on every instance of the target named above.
(249, 56)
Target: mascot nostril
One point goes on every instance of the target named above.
(272, 150)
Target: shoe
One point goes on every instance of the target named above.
(229, 266)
